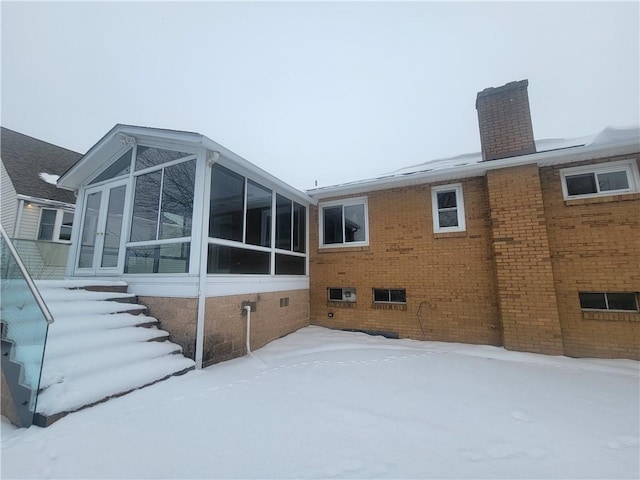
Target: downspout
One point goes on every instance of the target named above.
(202, 281)
(247, 309)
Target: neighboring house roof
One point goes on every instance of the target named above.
(34, 165)
(610, 141)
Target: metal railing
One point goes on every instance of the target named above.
(25, 320)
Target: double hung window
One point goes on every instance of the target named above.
(448, 208)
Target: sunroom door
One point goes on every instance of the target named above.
(102, 224)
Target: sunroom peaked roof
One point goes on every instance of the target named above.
(105, 151)
(33, 165)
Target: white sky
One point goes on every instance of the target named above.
(321, 91)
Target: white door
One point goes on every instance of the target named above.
(102, 224)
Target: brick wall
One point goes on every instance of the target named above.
(225, 326)
(449, 278)
(595, 246)
(504, 119)
(526, 292)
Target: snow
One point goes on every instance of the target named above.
(49, 178)
(328, 404)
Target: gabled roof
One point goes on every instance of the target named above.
(33, 165)
(608, 142)
(106, 150)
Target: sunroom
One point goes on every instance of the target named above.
(197, 232)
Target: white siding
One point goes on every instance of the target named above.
(29, 222)
(8, 202)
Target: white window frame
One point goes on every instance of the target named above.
(347, 202)
(57, 226)
(457, 188)
(630, 167)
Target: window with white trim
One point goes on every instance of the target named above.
(617, 301)
(344, 223)
(448, 208)
(611, 178)
(55, 225)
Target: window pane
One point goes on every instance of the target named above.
(398, 296)
(122, 166)
(581, 184)
(67, 224)
(283, 223)
(592, 300)
(170, 258)
(447, 199)
(613, 181)
(290, 265)
(177, 200)
(448, 218)
(622, 301)
(145, 207)
(354, 223)
(380, 295)
(89, 228)
(226, 213)
(332, 225)
(223, 259)
(150, 156)
(258, 215)
(113, 227)
(47, 222)
(335, 294)
(299, 228)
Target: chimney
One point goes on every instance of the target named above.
(505, 121)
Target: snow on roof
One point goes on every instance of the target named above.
(49, 178)
(608, 137)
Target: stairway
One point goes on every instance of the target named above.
(101, 345)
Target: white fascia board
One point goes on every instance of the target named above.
(46, 202)
(543, 159)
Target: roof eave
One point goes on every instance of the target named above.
(554, 157)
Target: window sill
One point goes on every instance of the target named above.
(602, 199)
(334, 249)
(342, 304)
(605, 316)
(389, 306)
(462, 234)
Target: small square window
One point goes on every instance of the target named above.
(344, 223)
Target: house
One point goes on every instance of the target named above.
(198, 233)
(530, 245)
(36, 215)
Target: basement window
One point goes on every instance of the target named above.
(603, 179)
(389, 295)
(448, 208)
(341, 294)
(617, 301)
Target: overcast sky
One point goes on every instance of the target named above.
(321, 91)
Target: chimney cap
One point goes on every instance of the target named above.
(505, 88)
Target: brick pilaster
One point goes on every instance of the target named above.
(526, 292)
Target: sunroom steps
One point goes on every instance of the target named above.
(100, 346)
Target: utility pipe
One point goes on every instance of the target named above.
(247, 308)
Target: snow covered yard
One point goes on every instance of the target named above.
(326, 404)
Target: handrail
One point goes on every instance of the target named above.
(32, 286)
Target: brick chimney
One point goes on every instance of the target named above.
(505, 121)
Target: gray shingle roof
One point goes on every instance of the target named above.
(26, 157)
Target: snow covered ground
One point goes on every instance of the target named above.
(326, 404)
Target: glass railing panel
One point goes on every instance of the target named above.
(24, 315)
(43, 260)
